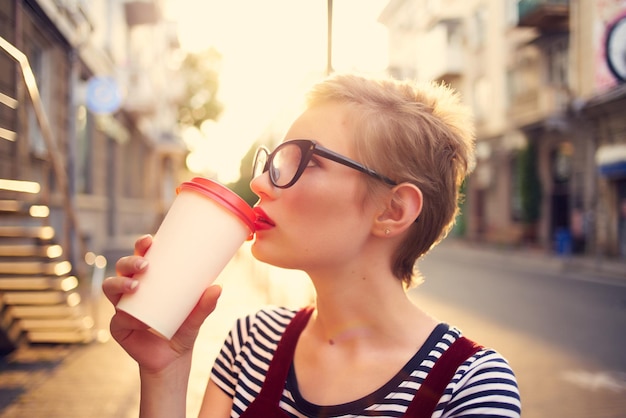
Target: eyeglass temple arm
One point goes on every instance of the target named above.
(326, 153)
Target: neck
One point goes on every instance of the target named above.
(362, 313)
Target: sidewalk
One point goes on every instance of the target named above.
(100, 380)
(576, 266)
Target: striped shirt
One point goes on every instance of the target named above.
(483, 386)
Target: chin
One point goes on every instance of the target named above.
(260, 252)
(274, 257)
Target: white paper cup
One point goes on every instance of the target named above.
(201, 232)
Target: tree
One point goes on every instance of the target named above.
(199, 103)
(242, 186)
(530, 185)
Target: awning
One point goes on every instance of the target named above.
(611, 160)
(614, 96)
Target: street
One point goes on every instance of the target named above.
(562, 332)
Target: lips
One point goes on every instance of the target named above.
(262, 222)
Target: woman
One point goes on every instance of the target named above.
(366, 181)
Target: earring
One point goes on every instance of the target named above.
(387, 231)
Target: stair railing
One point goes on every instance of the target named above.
(72, 240)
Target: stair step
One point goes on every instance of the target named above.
(38, 283)
(33, 267)
(31, 250)
(23, 209)
(8, 134)
(40, 298)
(12, 206)
(43, 311)
(19, 335)
(60, 337)
(56, 324)
(19, 186)
(40, 232)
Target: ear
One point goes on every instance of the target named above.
(403, 206)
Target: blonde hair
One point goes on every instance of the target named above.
(416, 133)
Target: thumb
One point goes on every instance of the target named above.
(188, 332)
(205, 306)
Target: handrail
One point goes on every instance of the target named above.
(55, 158)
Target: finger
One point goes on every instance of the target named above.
(115, 287)
(130, 265)
(205, 306)
(122, 325)
(142, 244)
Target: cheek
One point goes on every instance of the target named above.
(321, 225)
(329, 215)
(324, 204)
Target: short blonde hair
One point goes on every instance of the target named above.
(410, 132)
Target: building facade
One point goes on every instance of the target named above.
(549, 169)
(105, 73)
(600, 29)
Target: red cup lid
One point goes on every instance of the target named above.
(224, 196)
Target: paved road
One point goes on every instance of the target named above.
(563, 332)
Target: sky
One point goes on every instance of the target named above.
(272, 51)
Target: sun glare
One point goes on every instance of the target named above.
(272, 50)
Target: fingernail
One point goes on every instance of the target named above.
(141, 264)
(132, 284)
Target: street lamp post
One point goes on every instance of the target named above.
(329, 49)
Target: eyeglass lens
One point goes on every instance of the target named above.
(260, 161)
(284, 163)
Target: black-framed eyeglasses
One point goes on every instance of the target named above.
(288, 161)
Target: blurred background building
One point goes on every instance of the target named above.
(545, 79)
(91, 148)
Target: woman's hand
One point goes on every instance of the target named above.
(154, 354)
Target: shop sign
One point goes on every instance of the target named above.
(611, 160)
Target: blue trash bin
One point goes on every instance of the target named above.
(563, 241)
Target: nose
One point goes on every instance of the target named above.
(261, 184)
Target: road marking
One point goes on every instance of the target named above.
(596, 381)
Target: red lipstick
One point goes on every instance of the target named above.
(262, 221)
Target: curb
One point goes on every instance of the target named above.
(538, 260)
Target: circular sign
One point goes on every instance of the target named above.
(616, 48)
(103, 95)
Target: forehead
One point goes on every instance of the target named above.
(330, 124)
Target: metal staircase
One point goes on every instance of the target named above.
(40, 242)
(39, 297)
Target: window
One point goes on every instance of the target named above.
(557, 57)
(84, 151)
(479, 25)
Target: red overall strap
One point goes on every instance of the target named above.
(265, 405)
(425, 401)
